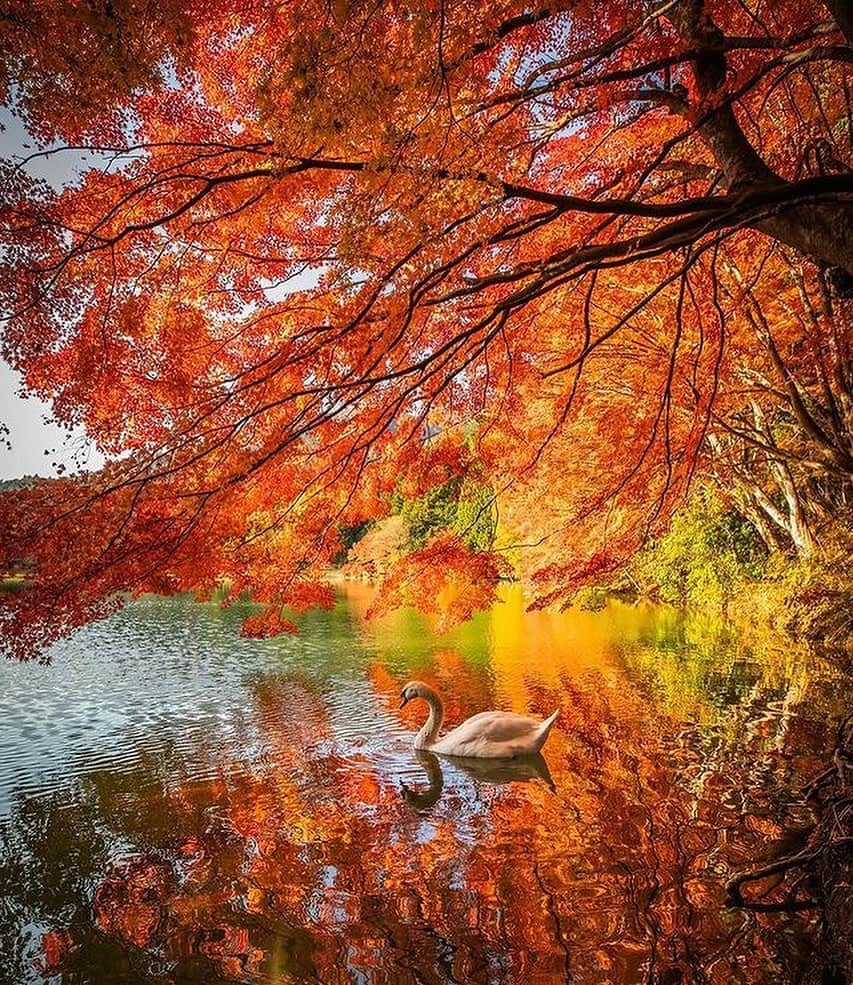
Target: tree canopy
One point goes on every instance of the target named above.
(331, 253)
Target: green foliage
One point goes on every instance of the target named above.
(476, 516)
(430, 513)
(10, 485)
(591, 598)
(708, 551)
(711, 555)
(813, 598)
(462, 505)
(349, 536)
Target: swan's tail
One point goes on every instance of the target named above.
(545, 728)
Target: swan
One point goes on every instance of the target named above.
(489, 735)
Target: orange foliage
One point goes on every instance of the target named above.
(321, 235)
(56, 945)
(376, 550)
(445, 580)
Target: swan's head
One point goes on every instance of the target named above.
(414, 689)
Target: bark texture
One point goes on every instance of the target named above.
(823, 232)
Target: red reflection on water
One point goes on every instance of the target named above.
(329, 868)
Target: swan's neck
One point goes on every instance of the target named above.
(431, 727)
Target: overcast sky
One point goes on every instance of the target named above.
(32, 428)
(38, 442)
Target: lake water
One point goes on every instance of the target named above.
(178, 804)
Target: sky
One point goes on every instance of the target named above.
(37, 441)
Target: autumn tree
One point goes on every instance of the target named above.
(326, 245)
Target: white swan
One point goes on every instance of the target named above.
(489, 735)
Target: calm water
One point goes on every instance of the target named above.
(178, 804)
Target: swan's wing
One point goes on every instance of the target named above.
(495, 726)
(496, 734)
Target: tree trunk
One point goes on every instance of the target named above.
(799, 528)
(768, 533)
(823, 232)
(795, 523)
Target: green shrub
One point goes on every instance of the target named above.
(476, 515)
(463, 505)
(708, 550)
(431, 513)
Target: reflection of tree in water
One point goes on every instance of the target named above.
(694, 661)
(54, 851)
(50, 852)
(318, 869)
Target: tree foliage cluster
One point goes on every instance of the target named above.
(707, 553)
(460, 504)
(600, 250)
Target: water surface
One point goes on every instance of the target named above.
(178, 804)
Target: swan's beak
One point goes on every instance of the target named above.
(403, 700)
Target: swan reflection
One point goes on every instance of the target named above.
(522, 769)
